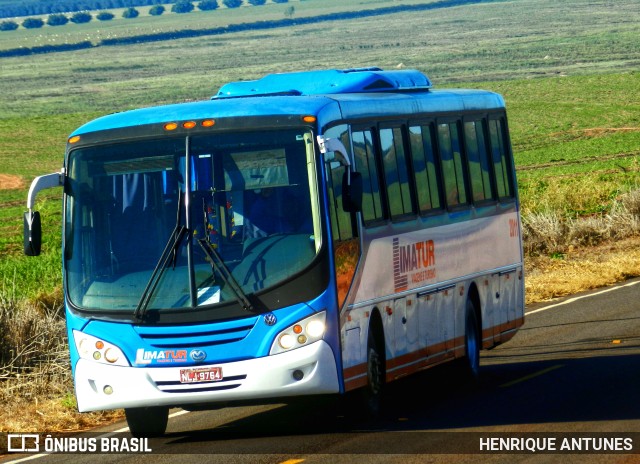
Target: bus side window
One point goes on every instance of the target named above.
(424, 168)
(501, 164)
(396, 174)
(340, 220)
(452, 167)
(364, 155)
(478, 161)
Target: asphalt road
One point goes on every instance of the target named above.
(572, 371)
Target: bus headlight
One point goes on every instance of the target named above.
(92, 348)
(315, 328)
(306, 331)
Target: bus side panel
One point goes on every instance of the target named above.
(420, 260)
(419, 282)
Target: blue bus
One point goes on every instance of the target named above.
(305, 233)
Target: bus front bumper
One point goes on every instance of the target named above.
(304, 371)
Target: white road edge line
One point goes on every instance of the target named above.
(571, 300)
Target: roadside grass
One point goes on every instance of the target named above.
(569, 75)
(550, 234)
(35, 379)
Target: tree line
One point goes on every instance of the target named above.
(53, 7)
(40, 7)
(250, 26)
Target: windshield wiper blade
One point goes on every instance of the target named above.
(169, 255)
(218, 264)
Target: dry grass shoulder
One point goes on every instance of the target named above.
(35, 377)
(581, 269)
(569, 255)
(51, 416)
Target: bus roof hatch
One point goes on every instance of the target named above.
(333, 81)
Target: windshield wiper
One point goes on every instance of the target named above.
(218, 264)
(169, 255)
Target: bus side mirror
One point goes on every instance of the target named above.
(32, 225)
(32, 233)
(352, 192)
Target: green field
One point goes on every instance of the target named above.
(568, 71)
(146, 24)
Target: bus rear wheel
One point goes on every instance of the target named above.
(472, 341)
(147, 422)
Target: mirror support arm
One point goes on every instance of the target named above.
(335, 146)
(55, 179)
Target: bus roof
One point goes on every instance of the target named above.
(328, 95)
(333, 81)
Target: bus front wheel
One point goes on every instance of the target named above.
(147, 422)
(374, 390)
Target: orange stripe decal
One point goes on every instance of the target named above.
(432, 355)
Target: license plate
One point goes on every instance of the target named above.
(205, 374)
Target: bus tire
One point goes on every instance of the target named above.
(374, 390)
(472, 341)
(147, 422)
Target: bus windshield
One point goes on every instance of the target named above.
(150, 207)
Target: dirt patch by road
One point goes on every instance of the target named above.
(9, 182)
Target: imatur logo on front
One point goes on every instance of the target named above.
(160, 356)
